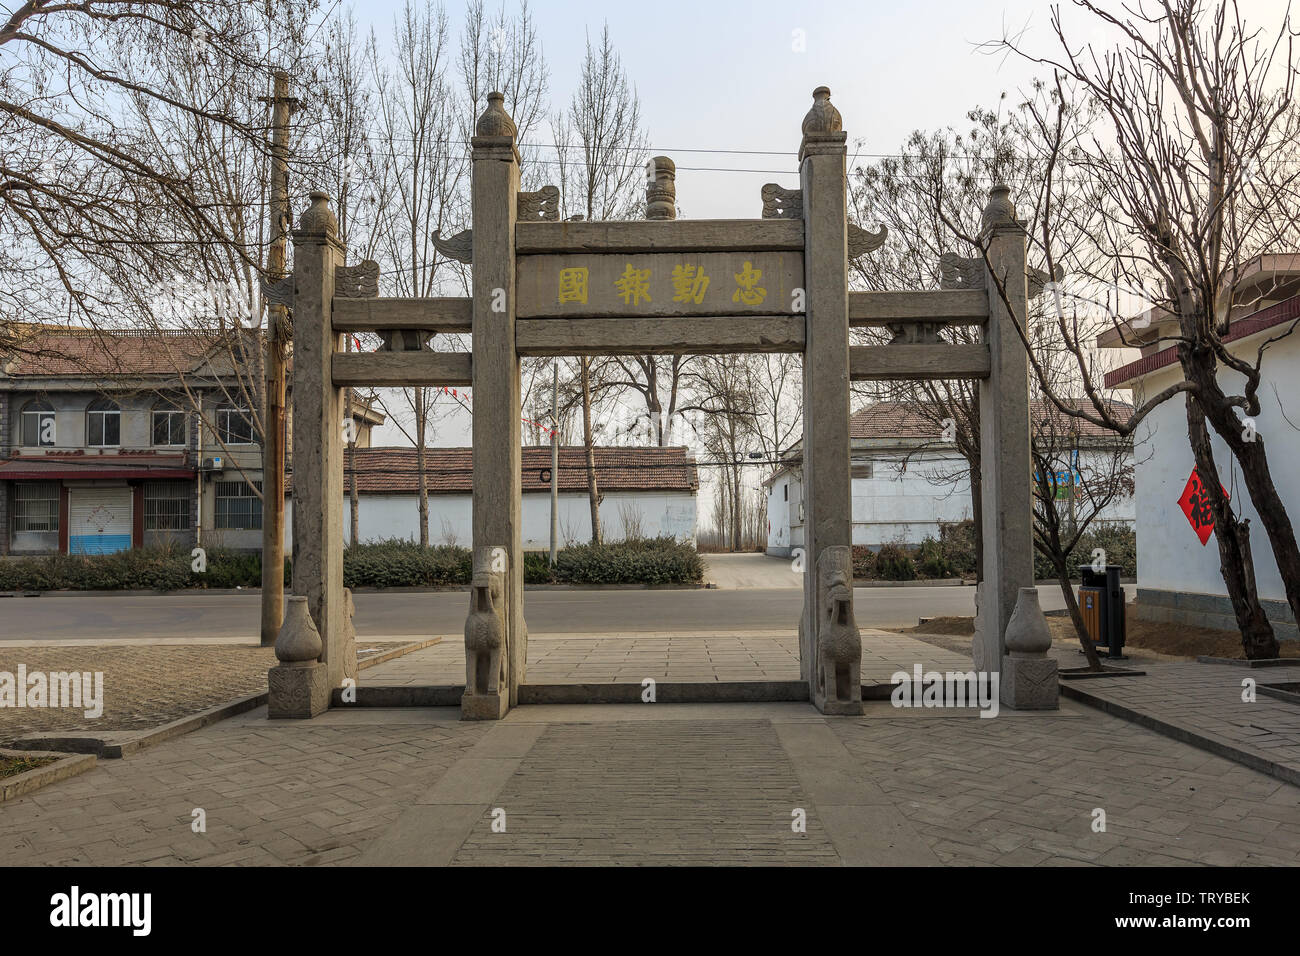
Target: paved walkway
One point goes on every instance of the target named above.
(664, 656)
(734, 571)
(667, 784)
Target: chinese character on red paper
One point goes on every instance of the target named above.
(1196, 505)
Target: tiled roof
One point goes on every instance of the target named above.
(92, 354)
(902, 420)
(449, 471)
(1288, 310)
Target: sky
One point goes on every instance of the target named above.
(724, 86)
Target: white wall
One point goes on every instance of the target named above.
(397, 516)
(908, 505)
(1170, 556)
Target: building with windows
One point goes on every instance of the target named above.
(111, 441)
(908, 478)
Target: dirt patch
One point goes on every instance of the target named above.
(1177, 641)
(12, 766)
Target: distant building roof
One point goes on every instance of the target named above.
(908, 420)
(450, 471)
(92, 353)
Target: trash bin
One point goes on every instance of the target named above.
(1101, 603)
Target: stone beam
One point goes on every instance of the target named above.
(680, 235)
(402, 369)
(762, 333)
(378, 315)
(954, 307)
(947, 361)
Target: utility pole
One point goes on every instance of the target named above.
(277, 342)
(555, 458)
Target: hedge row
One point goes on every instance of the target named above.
(952, 555)
(384, 565)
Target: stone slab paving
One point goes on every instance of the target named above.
(635, 784)
(698, 656)
(1205, 701)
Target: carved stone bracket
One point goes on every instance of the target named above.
(956, 272)
(915, 333)
(405, 340)
(1039, 278)
(279, 293)
(541, 206)
(781, 203)
(459, 247)
(861, 241)
(360, 281)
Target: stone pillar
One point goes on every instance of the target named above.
(496, 428)
(318, 439)
(828, 504)
(1006, 467)
(661, 189)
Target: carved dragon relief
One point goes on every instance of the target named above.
(279, 292)
(459, 247)
(861, 241)
(781, 203)
(541, 206)
(957, 272)
(360, 281)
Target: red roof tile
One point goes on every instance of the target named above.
(93, 353)
(449, 471)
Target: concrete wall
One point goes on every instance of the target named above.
(397, 516)
(1170, 556)
(905, 499)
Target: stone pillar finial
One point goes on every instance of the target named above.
(823, 129)
(495, 121)
(319, 218)
(661, 189)
(823, 117)
(298, 640)
(1000, 210)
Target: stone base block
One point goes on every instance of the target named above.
(484, 706)
(1029, 683)
(297, 690)
(839, 708)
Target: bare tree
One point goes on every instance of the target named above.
(600, 174)
(1195, 149)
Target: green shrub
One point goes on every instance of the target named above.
(931, 561)
(645, 561)
(893, 563)
(1117, 539)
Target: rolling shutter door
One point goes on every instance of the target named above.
(99, 520)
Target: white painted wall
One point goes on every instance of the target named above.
(902, 504)
(397, 516)
(1170, 556)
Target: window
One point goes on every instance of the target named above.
(238, 506)
(167, 505)
(36, 507)
(862, 471)
(103, 424)
(168, 425)
(234, 425)
(38, 424)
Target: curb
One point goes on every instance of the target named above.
(1204, 742)
(115, 745)
(32, 780)
(68, 592)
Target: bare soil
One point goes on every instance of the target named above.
(1169, 640)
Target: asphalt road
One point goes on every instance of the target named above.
(199, 614)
